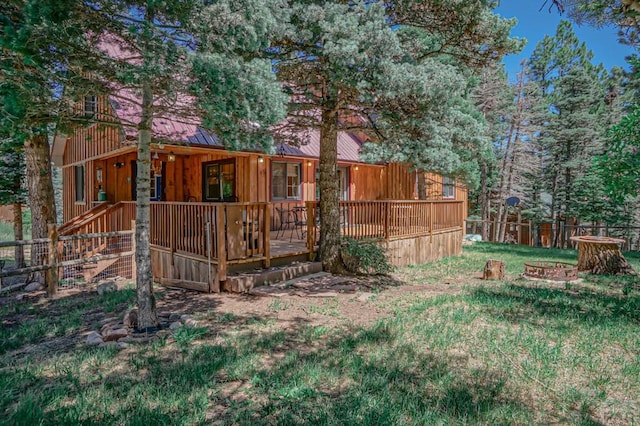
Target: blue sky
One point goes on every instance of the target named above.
(534, 24)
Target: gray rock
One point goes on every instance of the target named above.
(174, 317)
(34, 286)
(106, 287)
(122, 345)
(191, 322)
(116, 334)
(365, 297)
(175, 325)
(185, 317)
(108, 345)
(94, 338)
(20, 296)
(131, 318)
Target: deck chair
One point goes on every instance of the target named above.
(300, 222)
(287, 219)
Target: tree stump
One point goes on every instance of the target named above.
(602, 256)
(493, 270)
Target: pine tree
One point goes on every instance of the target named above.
(374, 66)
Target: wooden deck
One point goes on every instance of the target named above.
(198, 243)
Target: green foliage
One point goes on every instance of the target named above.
(365, 256)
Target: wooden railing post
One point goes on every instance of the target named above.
(134, 265)
(431, 222)
(221, 242)
(311, 227)
(51, 276)
(387, 220)
(173, 229)
(266, 235)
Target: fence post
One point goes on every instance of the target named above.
(134, 265)
(387, 220)
(51, 276)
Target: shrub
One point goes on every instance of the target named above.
(364, 257)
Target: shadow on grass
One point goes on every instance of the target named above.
(286, 376)
(522, 302)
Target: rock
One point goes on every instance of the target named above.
(20, 296)
(131, 318)
(122, 345)
(191, 322)
(106, 287)
(175, 325)
(185, 317)
(323, 294)
(365, 297)
(107, 327)
(34, 286)
(116, 334)
(94, 338)
(108, 319)
(174, 317)
(108, 345)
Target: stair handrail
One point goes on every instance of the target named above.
(92, 218)
(81, 219)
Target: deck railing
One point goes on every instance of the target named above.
(390, 220)
(220, 231)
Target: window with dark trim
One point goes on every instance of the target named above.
(90, 106)
(219, 181)
(285, 181)
(79, 183)
(448, 187)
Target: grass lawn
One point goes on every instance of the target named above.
(440, 346)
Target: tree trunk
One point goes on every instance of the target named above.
(40, 186)
(602, 256)
(485, 205)
(493, 270)
(422, 185)
(41, 196)
(329, 194)
(147, 317)
(18, 234)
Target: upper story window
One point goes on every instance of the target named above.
(79, 184)
(90, 106)
(285, 181)
(448, 187)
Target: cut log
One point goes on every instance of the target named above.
(493, 270)
(602, 256)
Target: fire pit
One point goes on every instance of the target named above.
(555, 271)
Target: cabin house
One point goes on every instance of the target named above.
(214, 211)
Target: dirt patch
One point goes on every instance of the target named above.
(320, 301)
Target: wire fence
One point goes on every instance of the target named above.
(77, 260)
(548, 234)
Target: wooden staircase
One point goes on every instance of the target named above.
(94, 224)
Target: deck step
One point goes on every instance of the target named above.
(243, 283)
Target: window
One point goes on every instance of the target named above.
(219, 181)
(448, 187)
(90, 106)
(285, 181)
(79, 183)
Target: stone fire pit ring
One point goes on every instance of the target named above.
(554, 271)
